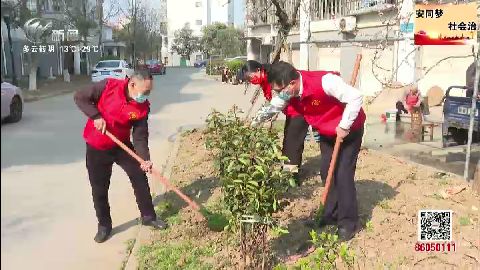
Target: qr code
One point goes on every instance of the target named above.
(435, 225)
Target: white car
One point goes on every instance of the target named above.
(12, 103)
(116, 69)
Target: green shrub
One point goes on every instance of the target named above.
(328, 249)
(235, 65)
(249, 162)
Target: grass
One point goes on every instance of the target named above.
(436, 196)
(276, 232)
(174, 256)
(444, 182)
(464, 221)
(369, 226)
(384, 204)
(128, 250)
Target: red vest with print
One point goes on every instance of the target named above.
(321, 111)
(119, 114)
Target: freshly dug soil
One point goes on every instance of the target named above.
(390, 193)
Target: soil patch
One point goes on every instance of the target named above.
(390, 193)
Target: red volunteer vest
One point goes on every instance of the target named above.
(119, 114)
(321, 111)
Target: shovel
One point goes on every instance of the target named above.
(214, 221)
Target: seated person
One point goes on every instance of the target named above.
(411, 101)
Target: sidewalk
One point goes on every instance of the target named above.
(50, 88)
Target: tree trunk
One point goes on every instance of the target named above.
(32, 78)
(278, 46)
(100, 24)
(87, 60)
(289, 53)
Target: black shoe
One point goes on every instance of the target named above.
(157, 224)
(102, 234)
(345, 234)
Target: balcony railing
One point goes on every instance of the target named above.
(263, 12)
(331, 9)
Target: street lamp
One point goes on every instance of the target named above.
(6, 19)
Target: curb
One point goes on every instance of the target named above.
(144, 232)
(54, 94)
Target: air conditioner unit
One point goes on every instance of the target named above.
(347, 24)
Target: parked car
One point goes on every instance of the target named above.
(200, 63)
(12, 103)
(116, 69)
(154, 66)
(456, 114)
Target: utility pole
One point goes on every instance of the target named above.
(472, 115)
(134, 4)
(100, 24)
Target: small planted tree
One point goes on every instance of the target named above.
(249, 161)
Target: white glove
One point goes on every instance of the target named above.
(268, 111)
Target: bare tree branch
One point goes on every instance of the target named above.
(295, 12)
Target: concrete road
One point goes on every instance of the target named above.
(47, 215)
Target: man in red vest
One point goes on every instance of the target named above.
(295, 129)
(334, 108)
(118, 106)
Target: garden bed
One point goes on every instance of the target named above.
(390, 193)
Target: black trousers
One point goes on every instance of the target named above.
(99, 166)
(295, 131)
(341, 205)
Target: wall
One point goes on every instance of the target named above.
(382, 68)
(328, 58)
(185, 11)
(179, 13)
(449, 72)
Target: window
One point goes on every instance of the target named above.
(198, 4)
(198, 22)
(108, 64)
(151, 62)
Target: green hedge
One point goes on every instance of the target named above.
(235, 65)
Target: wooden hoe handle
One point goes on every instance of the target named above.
(155, 173)
(338, 141)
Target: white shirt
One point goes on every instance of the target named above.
(332, 85)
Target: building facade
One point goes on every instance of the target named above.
(197, 14)
(330, 33)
